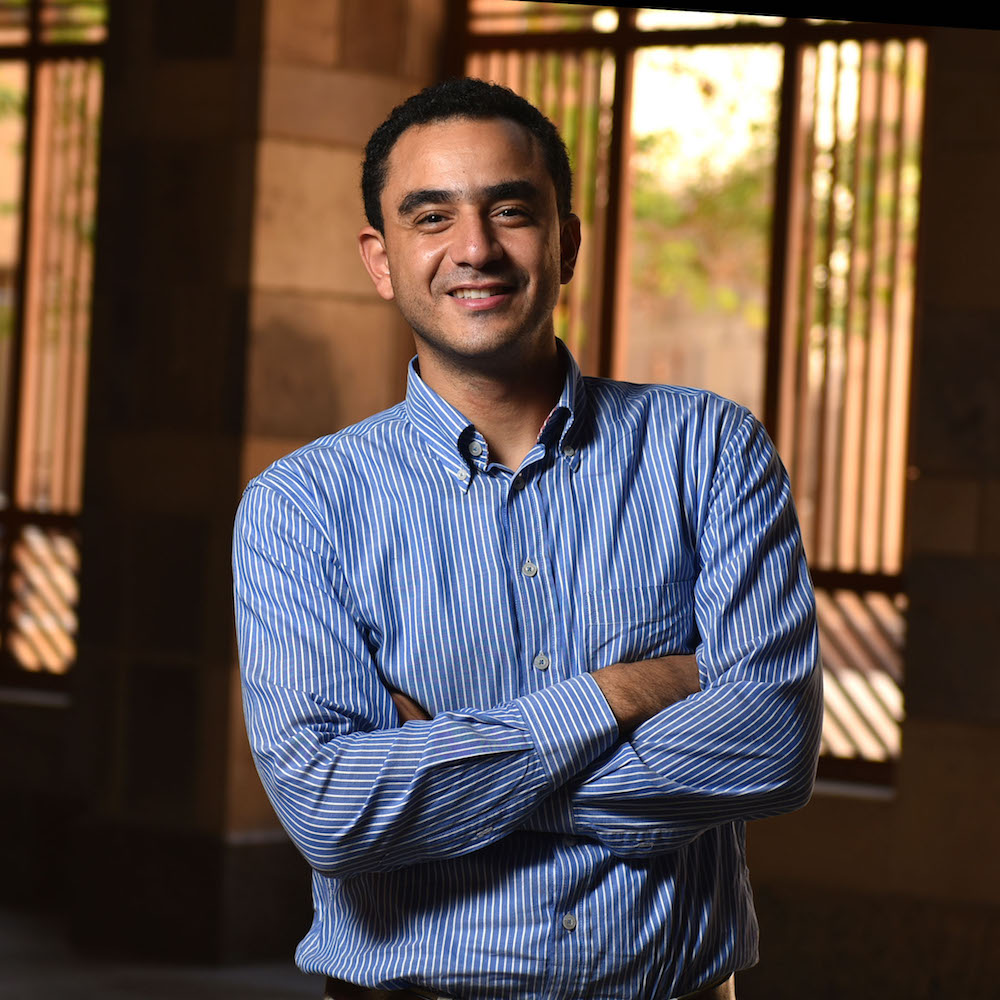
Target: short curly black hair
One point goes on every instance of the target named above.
(462, 98)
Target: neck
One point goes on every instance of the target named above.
(508, 409)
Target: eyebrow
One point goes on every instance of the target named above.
(521, 189)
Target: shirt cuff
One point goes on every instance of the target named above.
(571, 724)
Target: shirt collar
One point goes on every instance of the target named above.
(558, 426)
(439, 423)
(448, 431)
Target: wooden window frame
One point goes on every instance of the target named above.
(34, 52)
(794, 36)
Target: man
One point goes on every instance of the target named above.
(522, 653)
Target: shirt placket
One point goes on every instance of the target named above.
(533, 582)
(543, 663)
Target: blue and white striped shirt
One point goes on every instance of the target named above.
(516, 845)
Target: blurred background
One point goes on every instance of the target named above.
(798, 213)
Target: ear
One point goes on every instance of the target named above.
(569, 246)
(371, 244)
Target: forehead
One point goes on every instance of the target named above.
(463, 154)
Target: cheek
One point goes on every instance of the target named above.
(544, 255)
(412, 262)
(426, 264)
(548, 267)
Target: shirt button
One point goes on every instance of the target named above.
(569, 922)
(519, 482)
(540, 662)
(568, 450)
(475, 449)
(529, 568)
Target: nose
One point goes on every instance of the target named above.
(474, 242)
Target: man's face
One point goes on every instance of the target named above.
(474, 250)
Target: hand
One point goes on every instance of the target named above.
(638, 691)
(408, 709)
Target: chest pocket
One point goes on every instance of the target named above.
(630, 624)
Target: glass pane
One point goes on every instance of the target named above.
(844, 403)
(653, 18)
(13, 22)
(703, 137)
(514, 17)
(74, 20)
(861, 636)
(13, 80)
(57, 297)
(42, 631)
(575, 90)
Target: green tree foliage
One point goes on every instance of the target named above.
(704, 240)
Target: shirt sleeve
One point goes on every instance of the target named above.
(745, 746)
(355, 790)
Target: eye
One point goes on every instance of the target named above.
(431, 220)
(515, 213)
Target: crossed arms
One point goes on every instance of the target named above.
(641, 757)
(635, 692)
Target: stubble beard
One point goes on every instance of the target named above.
(504, 352)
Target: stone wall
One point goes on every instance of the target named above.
(324, 351)
(896, 893)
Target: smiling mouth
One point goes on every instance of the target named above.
(480, 293)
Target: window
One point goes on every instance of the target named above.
(50, 94)
(748, 187)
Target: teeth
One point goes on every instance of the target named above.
(473, 293)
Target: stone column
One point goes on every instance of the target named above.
(951, 739)
(233, 322)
